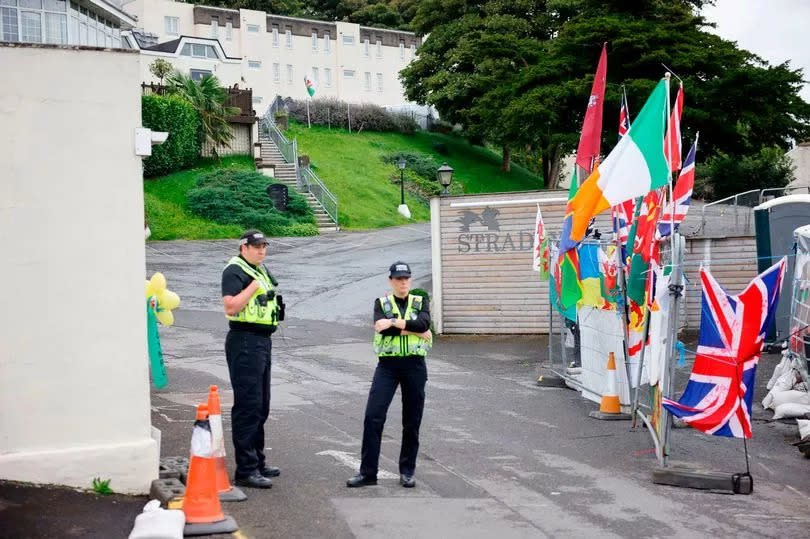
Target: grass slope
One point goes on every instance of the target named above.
(167, 209)
(350, 166)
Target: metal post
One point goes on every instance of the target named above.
(402, 186)
(309, 124)
(623, 310)
(675, 292)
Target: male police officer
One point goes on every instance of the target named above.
(402, 341)
(253, 310)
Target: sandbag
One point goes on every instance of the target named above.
(790, 397)
(158, 523)
(779, 370)
(804, 429)
(791, 409)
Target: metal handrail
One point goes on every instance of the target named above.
(306, 180)
(784, 190)
(313, 184)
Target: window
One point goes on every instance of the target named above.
(214, 27)
(198, 50)
(348, 73)
(229, 30)
(56, 28)
(9, 29)
(327, 77)
(348, 40)
(253, 28)
(315, 74)
(31, 22)
(413, 51)
(172, 25)
(327, 45)
(257, 100)
(289, 73)
(367, 81)
(402, 48)
(315, 40)
(288, 37)
(276, 72)
(254, 64)
(379, 82)
(379, 48)
(198, 74)
(365, 47)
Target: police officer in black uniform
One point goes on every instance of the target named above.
(402, 340)
(253, 309)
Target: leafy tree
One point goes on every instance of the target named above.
(160, 68)
(518, 74)
(724, 175)
(209, 99)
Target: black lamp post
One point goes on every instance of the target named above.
(401, 164)
(445, 174)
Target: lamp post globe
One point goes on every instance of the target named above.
(445, 174)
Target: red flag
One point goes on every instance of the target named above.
(590, 139)
(624, 116)
(674, 141)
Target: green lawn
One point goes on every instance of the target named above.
(350, 166)
(166, 209)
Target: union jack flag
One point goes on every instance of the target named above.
(624, 116)
(718, 397)
(682, 195)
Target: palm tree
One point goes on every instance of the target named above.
(210, 101)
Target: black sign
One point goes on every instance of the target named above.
(279, 195)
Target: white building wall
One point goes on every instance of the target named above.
(800, 156)
(74, 385)
(258, 46)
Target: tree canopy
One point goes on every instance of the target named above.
(518, 73)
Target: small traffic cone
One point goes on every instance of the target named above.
(227, 492)
(201, 505)
(609, 406)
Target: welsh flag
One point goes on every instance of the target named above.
(635, 167)
(309, 81)
(541, 255)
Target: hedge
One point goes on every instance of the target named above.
(239, 197)
(365, 117)
(178, 117)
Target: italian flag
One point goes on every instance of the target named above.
(636, 166)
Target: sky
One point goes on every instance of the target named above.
(776, 30)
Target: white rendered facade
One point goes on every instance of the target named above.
(272, 54)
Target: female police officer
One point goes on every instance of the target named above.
(402, 340)
(253, 311)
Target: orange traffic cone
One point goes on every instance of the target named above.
(227, 492)
(609, 406)
(201, 504)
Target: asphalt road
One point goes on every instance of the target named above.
(499, 456)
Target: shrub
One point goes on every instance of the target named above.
(733, 174)
(441, 126)
(420, 174)
(365, 117)
(177, 117)
(239, 197)
(440, 148)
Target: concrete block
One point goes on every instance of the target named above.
(173, 467)
(166, 490)
(682, 475)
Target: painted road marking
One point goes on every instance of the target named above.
(354, 463)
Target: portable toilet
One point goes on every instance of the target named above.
(775, 221)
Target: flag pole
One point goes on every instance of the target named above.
(309, 125)
(675, 293)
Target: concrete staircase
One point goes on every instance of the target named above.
(285, 173)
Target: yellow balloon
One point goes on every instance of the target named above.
(165, 317)
(158, 283)
(168, 300)
(148, 288)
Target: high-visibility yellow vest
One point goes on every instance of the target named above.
(401, 345)
(256, 311)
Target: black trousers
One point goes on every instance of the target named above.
(248, 356)
(411, 374)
